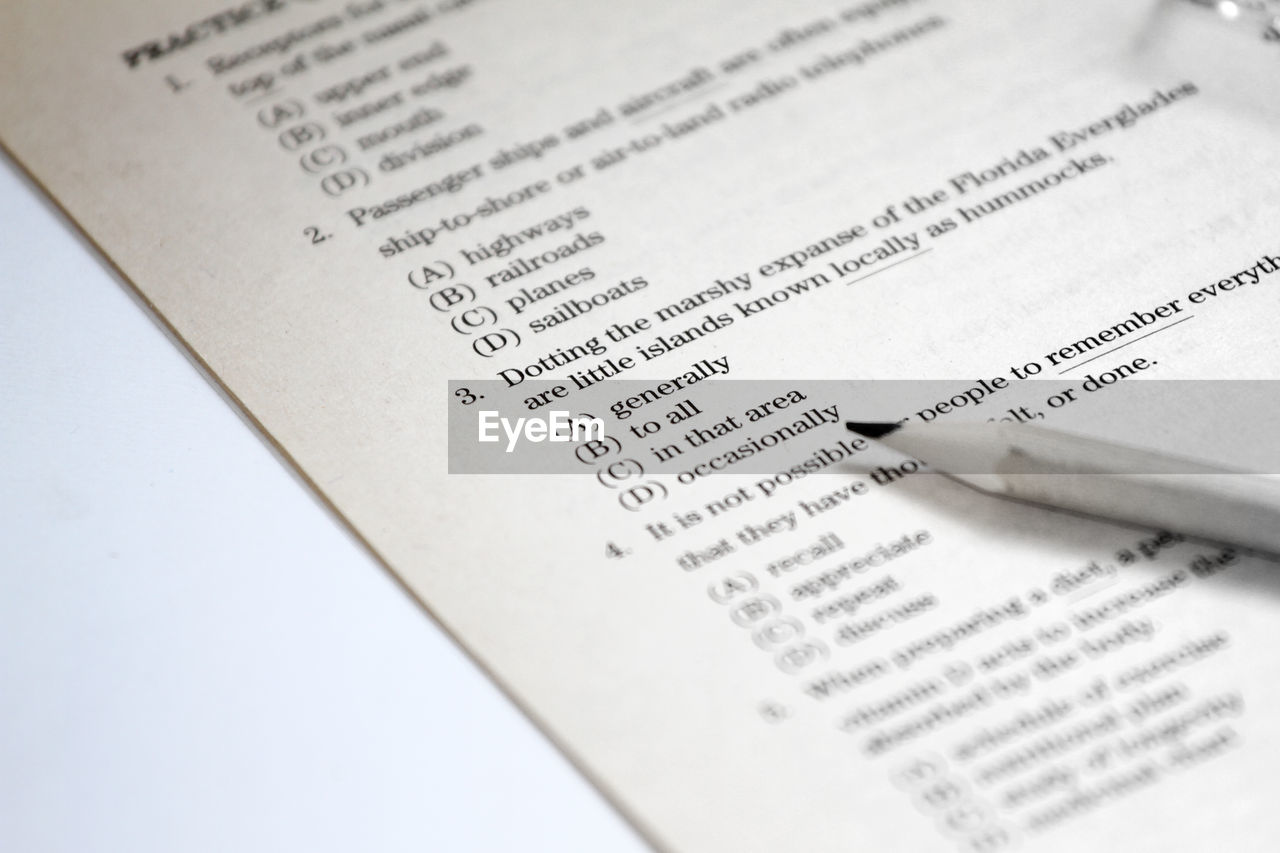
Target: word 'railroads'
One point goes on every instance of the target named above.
(557, 426)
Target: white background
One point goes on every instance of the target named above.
(194, 654)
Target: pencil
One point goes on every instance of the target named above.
(1098, 478)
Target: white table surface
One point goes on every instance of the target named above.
(194, 654)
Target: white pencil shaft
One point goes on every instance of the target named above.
(1102, 479)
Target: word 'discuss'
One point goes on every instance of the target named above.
(556, 426)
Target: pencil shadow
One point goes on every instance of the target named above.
(1228, 57)
(1062, 531)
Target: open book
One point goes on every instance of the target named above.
(562, 306)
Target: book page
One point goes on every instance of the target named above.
(563, 306)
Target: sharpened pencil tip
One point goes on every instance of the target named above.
(871, 430)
